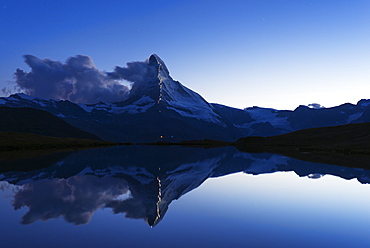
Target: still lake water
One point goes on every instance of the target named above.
(147, 196)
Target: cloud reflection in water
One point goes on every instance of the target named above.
(75, 198)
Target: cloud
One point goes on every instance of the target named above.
(6, 91)
(77, 80)
(315, 175)
(315, 106)
(135, 72)
(76, 198)
(138, 73)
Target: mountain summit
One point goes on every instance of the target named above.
(162, 91)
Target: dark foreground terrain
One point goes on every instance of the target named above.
(27, 141)
(347, 145)
(351, 138)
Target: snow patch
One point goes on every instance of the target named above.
(87, 108)
(365, 104)
(99, 106)
(144, 100)
(140, 174)
(197, 113)
(353, 117)
(263, 165)
(315, 175)
(315, 106)
(188, 176)
(364, 179)
(124, 197)
(140, 106)
(185, 101)
(11, 98)
(39, 102)
(86, 171)
(25, 97)
(261, 115)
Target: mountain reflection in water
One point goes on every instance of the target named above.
(141, 181)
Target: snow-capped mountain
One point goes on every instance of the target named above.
(160, 108)
(163, 92)
(303, 117)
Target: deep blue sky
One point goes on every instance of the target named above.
(269, 53)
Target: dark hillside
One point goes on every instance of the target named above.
(28, 141)
(350, 138)
(29, 120)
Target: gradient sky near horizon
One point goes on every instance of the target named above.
(267, 53)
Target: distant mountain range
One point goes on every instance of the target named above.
(351, 137)
(162, 109)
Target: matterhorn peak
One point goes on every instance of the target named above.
(157, 88)
(154, 59)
